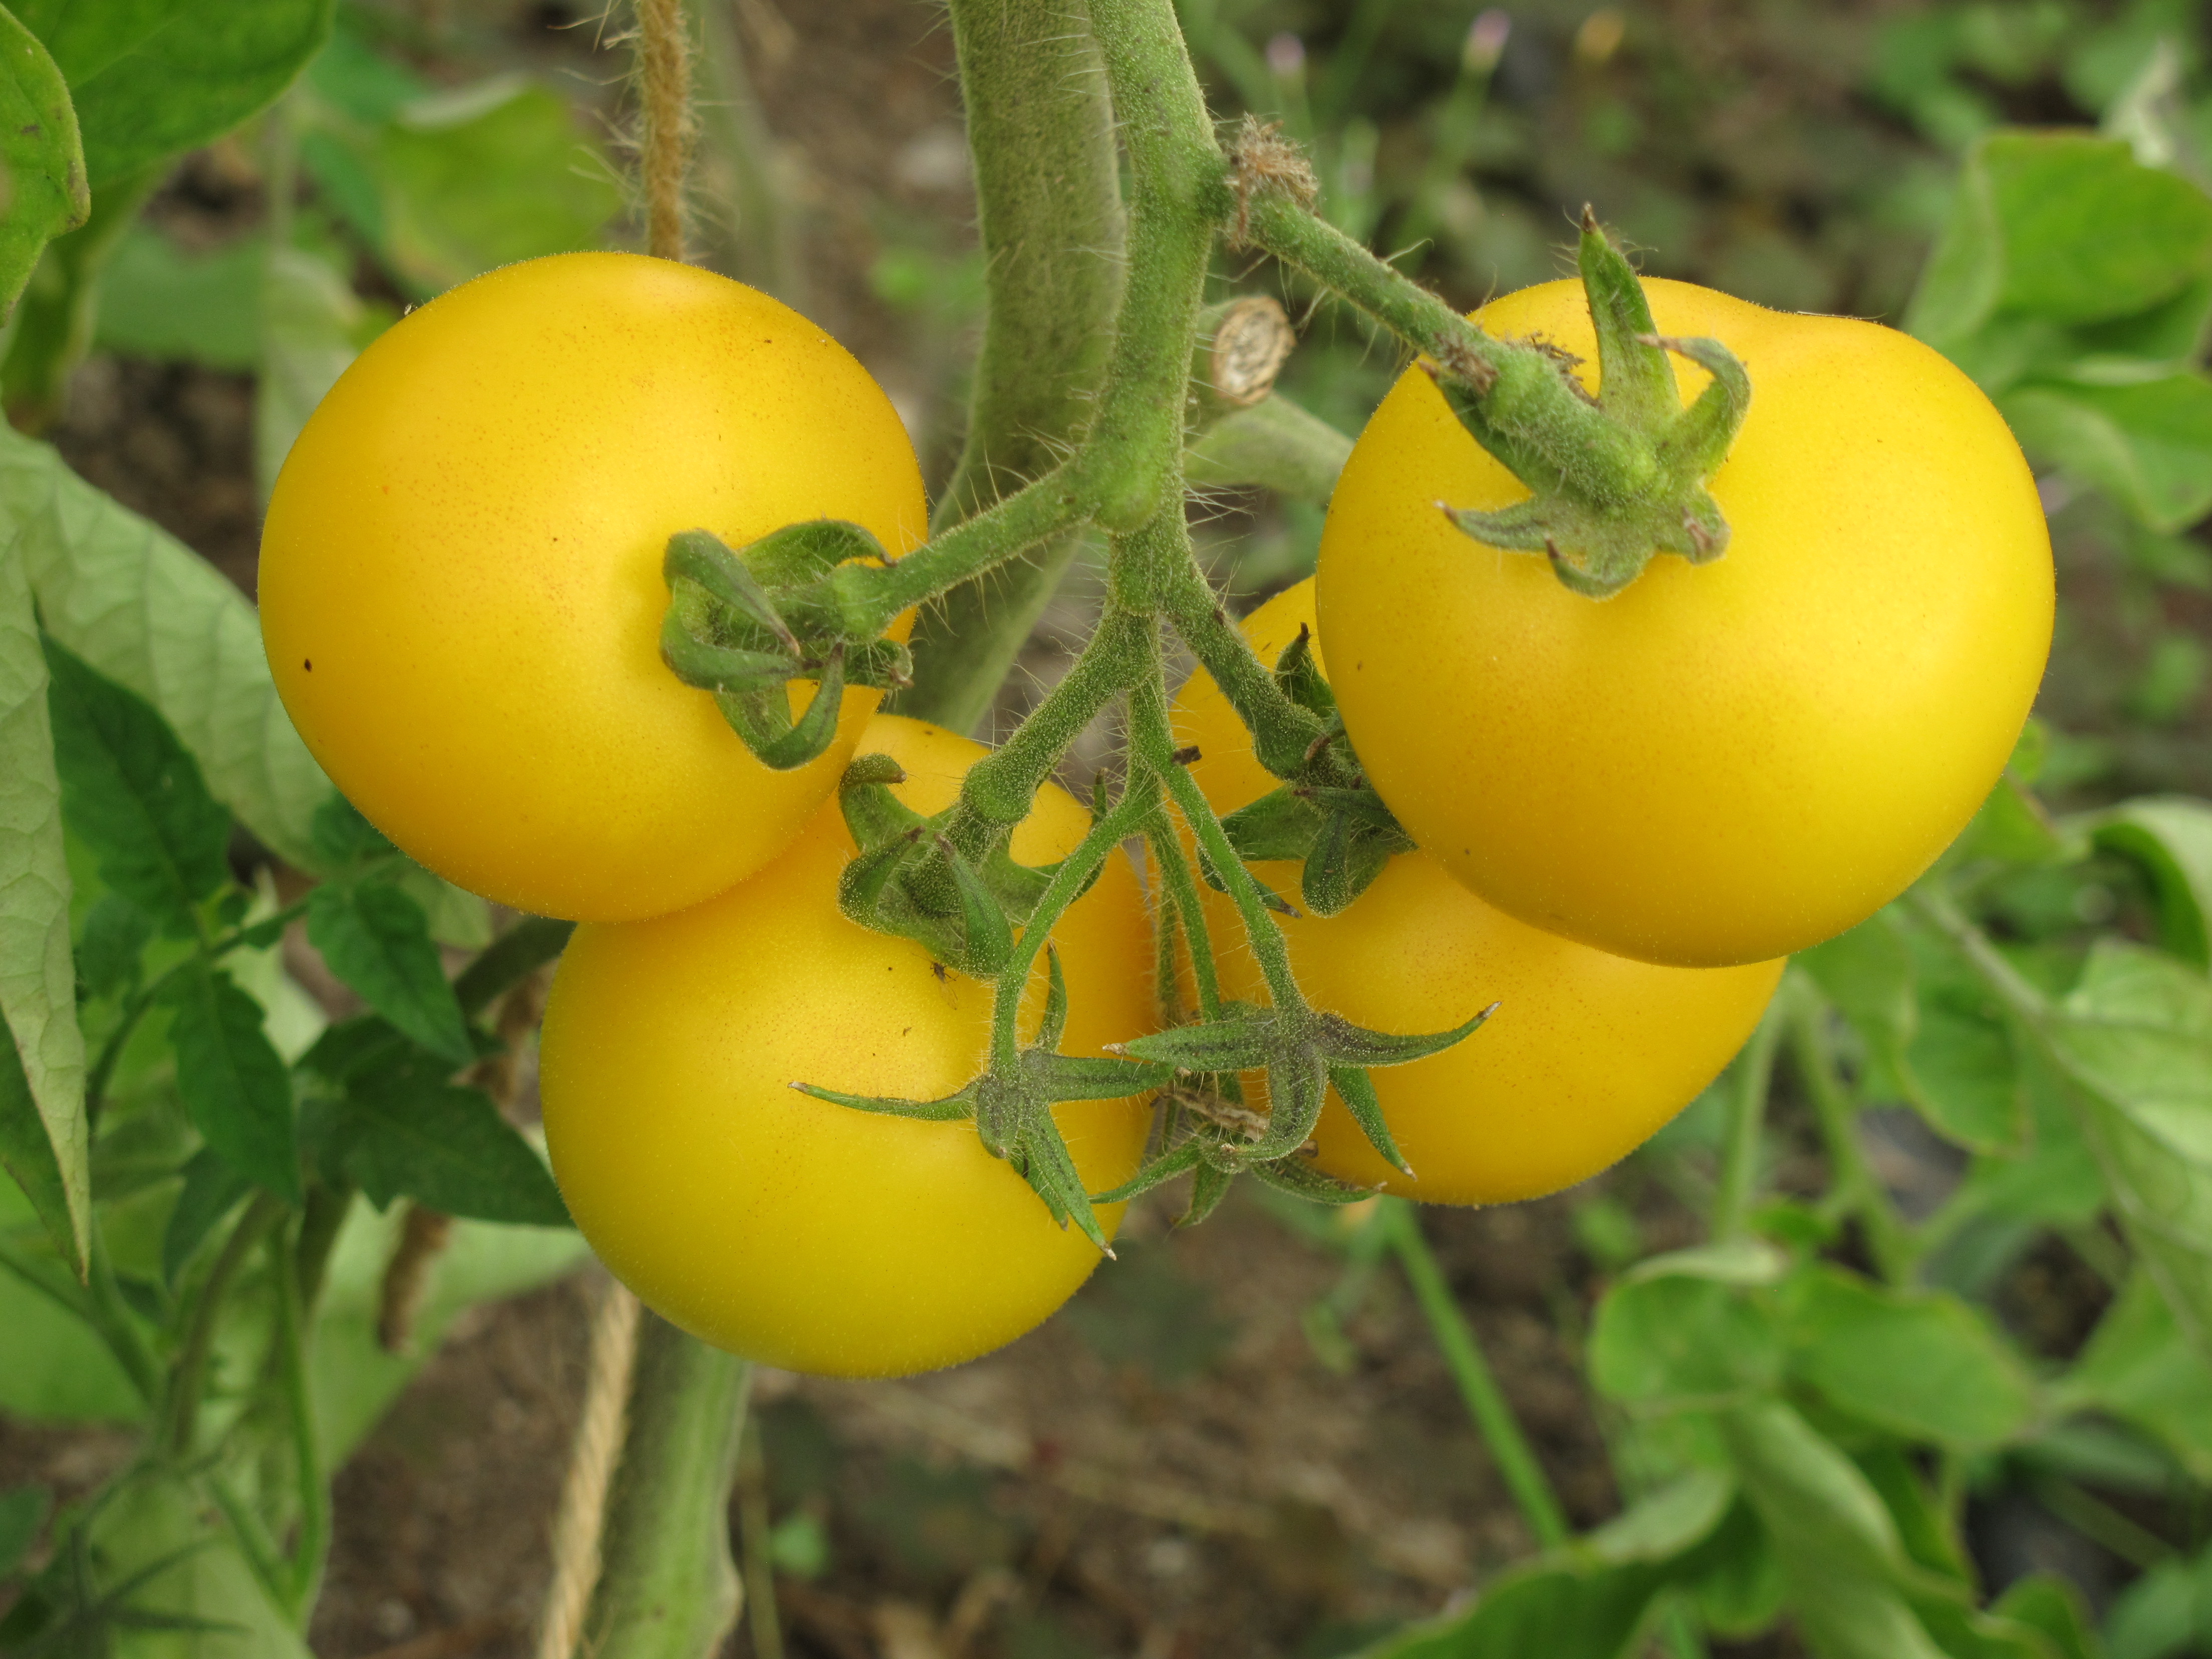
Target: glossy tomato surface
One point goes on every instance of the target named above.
(802, 1234)
(1721, 763)
(460, 580)
(1587, 1055)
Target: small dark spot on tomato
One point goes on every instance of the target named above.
(908, 1032)
(307, 663)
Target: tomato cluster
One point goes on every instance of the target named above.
(1626, 811)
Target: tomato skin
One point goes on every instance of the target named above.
(805, 1235)
(1586, 1057)
(1722, 763)
(461, 579)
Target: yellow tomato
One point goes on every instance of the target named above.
(1588, 1054)
(461, 575)
(802, 1234)
(1722, 763)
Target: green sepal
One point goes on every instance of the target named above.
(1299, 676)
(1298, 1087)
(1245, 1039)
(1279, 826)
(1002, 1116)
(986, 934)
(1356, 1045)
(1268, 897)
(713, 667)
(1209, 1185)
(762, 719)
(798, 553)
(696, 556)
(951, 1110)
(873, 815)
(1101, 1077)
(1357, 1090)
(1616, 478)
(1299, 1178)
(1155, 1173)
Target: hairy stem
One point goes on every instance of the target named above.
(665, 121)
(667, 1589)
(1049, 215)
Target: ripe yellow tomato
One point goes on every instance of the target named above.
(460, 574)
(802, 1234)
(1722, 763)
(1588, 1054)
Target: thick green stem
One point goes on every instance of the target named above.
(667, 1589)
(1509, 1447)
(1049, 213)
(1283, 732)
(964, 553)
(1752, 1076)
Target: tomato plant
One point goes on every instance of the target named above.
(1583, 1057)
(1726, 762)
(1705, 686)
(461, 582)
(796, 1231)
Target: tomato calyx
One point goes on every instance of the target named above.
(913, 879)
(1326, 816)
(741, 625)
(1011, 1106)
(1617, 477)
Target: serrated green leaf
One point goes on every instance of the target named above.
(2149, 446)
(2171, 838)
(377, 940)
(1922, 1365)
(154, 78)
(134, 796)
(41, 157)
(143, 609)
(232, 1080)
(483, 176)
(43, 1138)
(2140, 1368)
(2135, 1038)
(402, 1133)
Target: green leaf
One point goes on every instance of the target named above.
(2135, 1038)
(22, 1513)
(1560, 1611)
(401, 1133)
(41, 157)
(485, 175)
(1867, 973)
(233, 1081)
(154, 78)
(1922, 1365)
(116, 935)
(159, 301)
(43, 1138)
(2171, 838)
(2138, 1367)
(205, 1591)
(2063, 225)
(2149, 446)
(2054, 1608)
(150, 614)
(1677, 1342)
(1957, 1064)
(57, 1369)
(134, 795)
(377, 940)
(1838, 1547)
(211, 1190)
